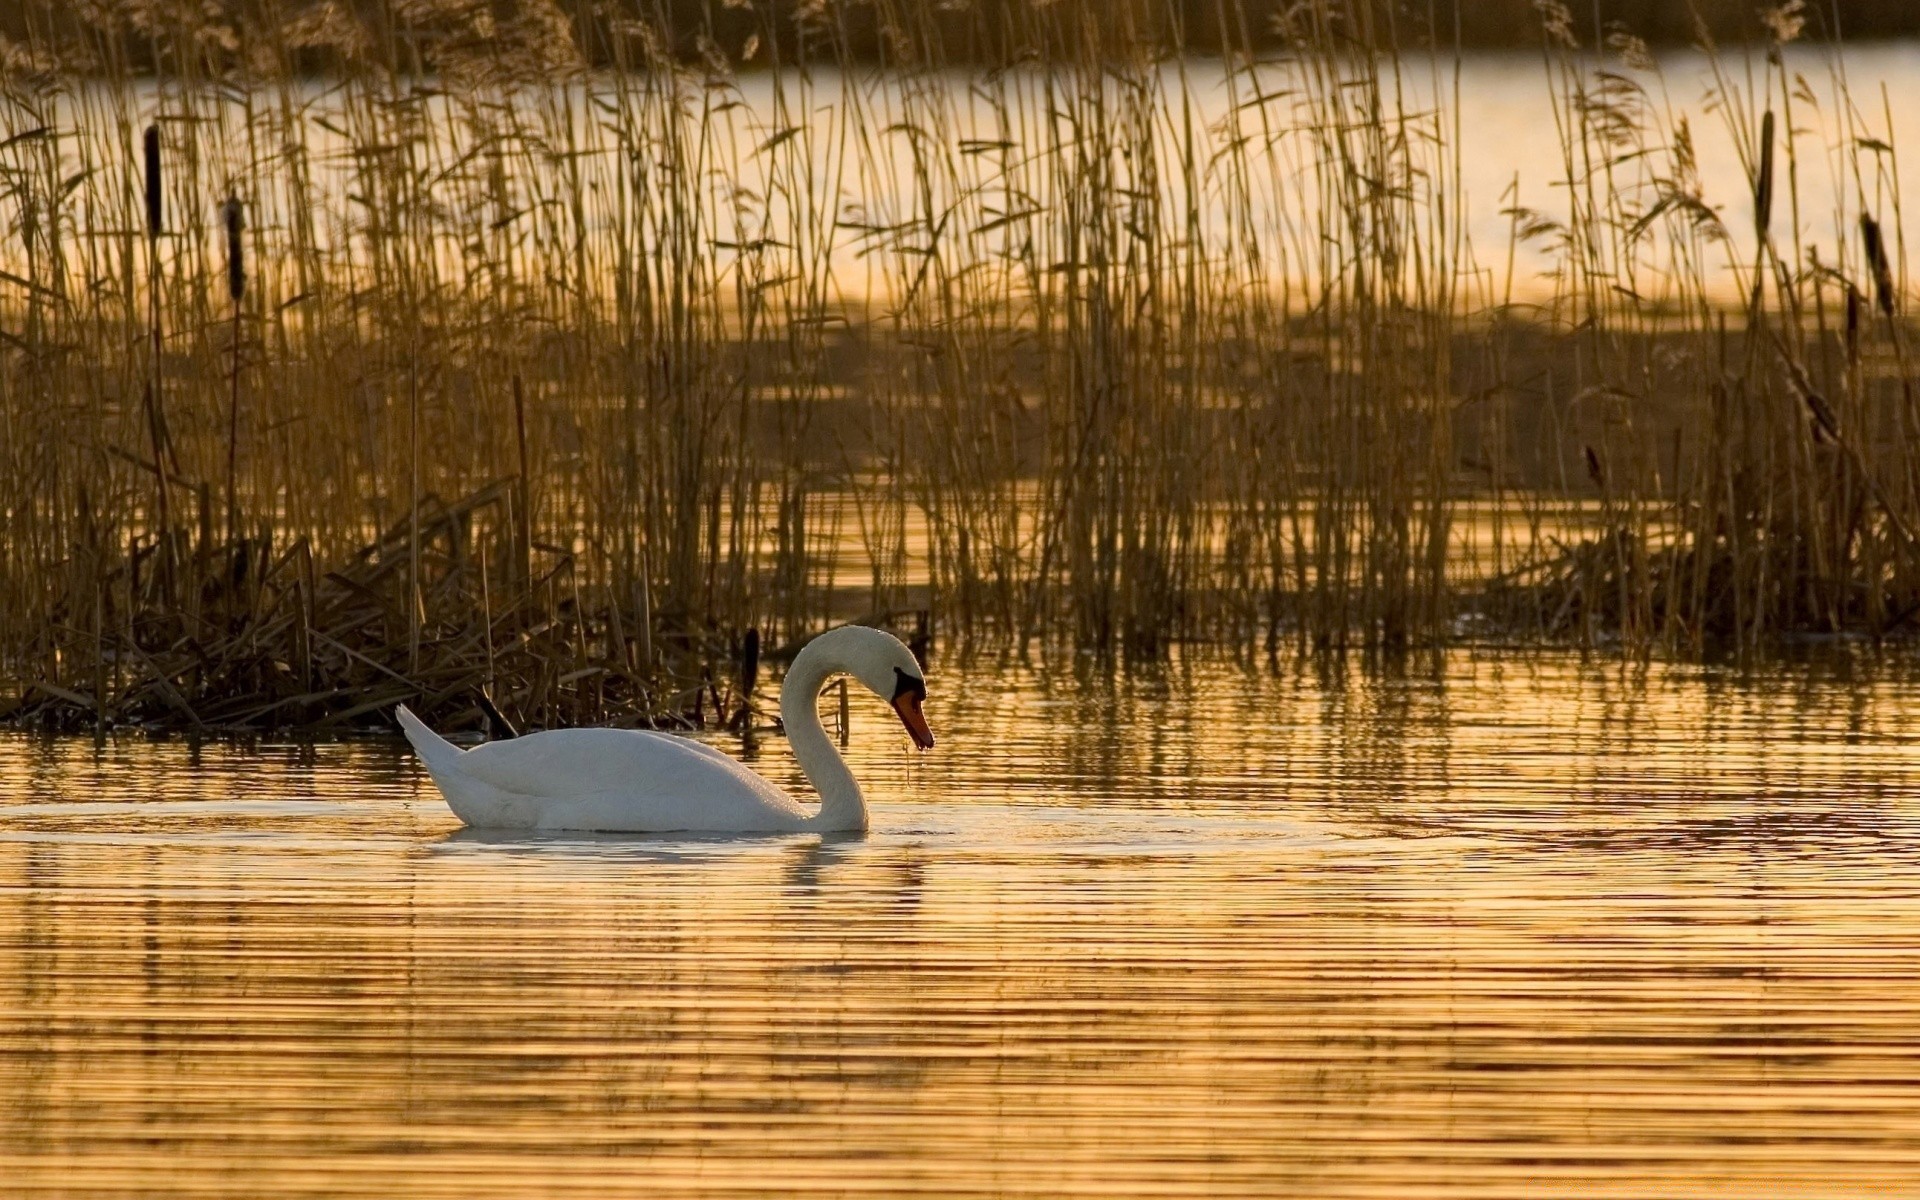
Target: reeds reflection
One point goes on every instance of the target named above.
(1490, 925)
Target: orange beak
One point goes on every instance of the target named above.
(907, 704)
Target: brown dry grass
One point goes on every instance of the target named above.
(553, 380)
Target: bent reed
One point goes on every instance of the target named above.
(558, 351)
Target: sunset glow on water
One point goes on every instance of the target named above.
(1517, 926)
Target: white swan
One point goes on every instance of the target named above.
(631, 781)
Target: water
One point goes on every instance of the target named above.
(1517, 926)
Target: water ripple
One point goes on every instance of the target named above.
(1521, 926)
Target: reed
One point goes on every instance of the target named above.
(579, 349)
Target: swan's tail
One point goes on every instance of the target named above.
(440, 756)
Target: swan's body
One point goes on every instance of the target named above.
(632, 781)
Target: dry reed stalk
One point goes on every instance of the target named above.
(156, 395)
(236, 291)
(1065, 348)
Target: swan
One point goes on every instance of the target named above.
(632, 781)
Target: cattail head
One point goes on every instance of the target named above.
(749, 662)
(1826, 426)
(235, 217)
(1877, 259)
(1763, 179)
(1853, 323)
(154, 211)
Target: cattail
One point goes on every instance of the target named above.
(1596, 470)
(1826, 426)
(154, 211)
(1826, 430)
(1763, 182)
(155, 392)
(749, 664)
(742, 719)
(1877, 259)
(1853, 323)
(236, 288)
(236, 253)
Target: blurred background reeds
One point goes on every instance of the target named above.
(439, 351)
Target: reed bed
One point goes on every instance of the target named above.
(442, 354)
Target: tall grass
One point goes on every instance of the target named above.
(559, 351)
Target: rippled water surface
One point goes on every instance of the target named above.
(1505, 927)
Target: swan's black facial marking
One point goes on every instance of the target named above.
(905, 683)
(908, 692)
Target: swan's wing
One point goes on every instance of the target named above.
(719, 756)
(629, 762)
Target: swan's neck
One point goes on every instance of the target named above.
(842, 807)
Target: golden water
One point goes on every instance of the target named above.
(1517, 927)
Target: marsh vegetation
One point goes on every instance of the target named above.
(351, 361)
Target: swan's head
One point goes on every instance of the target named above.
(886, 667)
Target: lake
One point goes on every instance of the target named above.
(1496, 925)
